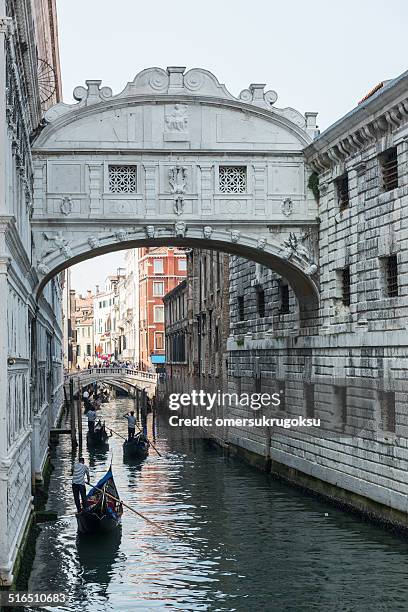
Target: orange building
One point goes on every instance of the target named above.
(160, 270)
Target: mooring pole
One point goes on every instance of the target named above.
(72, 412)
(79, 413)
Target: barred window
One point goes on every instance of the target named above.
(387, 404)
(389, 167)
(309, 400)
(345, 282)
(260, 299)
(342, 187)
(241, 308)
(122, 179)
(284, 298)
(232, 179)
(391, 275)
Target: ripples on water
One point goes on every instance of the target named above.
(244, 541)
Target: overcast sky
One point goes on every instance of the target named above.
(317, 55)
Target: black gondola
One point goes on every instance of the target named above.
(99, 436)
(137, 448)
(102, 513)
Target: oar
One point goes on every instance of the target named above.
(169, 533)
(118, 434)
(152, 445)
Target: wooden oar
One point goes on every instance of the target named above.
(166, 531)
(118, 434)
(152, 445)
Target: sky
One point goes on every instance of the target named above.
(317, 55)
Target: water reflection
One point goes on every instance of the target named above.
(243, 541)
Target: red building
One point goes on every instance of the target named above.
(160, 270)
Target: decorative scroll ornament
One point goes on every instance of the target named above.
(43, 268)
(287, 207)
(177, 120)
(66, 206)
(294, 245)
(61, 243)
(178, 182)
(180, 229)
(207, 231)
(235, 235)
(150, 231)
(120, 235)
(261, 244)
(94, 242)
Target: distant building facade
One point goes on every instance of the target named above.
(84, 330)
(160, 270)
(128, 310)
(105, 320)
(197, 320)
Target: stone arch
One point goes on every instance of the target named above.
(298, 271)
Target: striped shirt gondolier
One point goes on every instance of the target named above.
(78, 476)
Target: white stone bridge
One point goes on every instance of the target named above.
(127, 379)
(177, 160)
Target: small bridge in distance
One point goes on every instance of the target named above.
(128, 379)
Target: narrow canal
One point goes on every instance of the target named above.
(245, 541)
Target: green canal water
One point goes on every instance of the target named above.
(244, 541)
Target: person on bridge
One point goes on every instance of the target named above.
(91, 415)
(78, 483)
(131, 419)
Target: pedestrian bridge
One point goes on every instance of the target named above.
(128, 379)
(176, 160)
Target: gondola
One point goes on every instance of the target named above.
(138, 448)
(102, 513)
(99, 436)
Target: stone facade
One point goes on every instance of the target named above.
(197, 323)
(30, 325)
(351, 373)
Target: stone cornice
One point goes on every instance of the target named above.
(75, 112)
(383, 113)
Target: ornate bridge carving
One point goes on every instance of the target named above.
(176, 159)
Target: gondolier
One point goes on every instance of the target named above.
(91, 415)
(78, 483)
(131, 419)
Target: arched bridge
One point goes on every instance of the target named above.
(127, 379)
(175, 159)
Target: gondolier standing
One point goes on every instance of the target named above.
(78, 483)
(131, 419)
(91, 414)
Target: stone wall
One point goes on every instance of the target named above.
(351, 374)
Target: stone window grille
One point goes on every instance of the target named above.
(122, 179)
(389, 169)
(345, 286)
(391, 275)
(387, 405)
(342, 187)
(232, 179)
